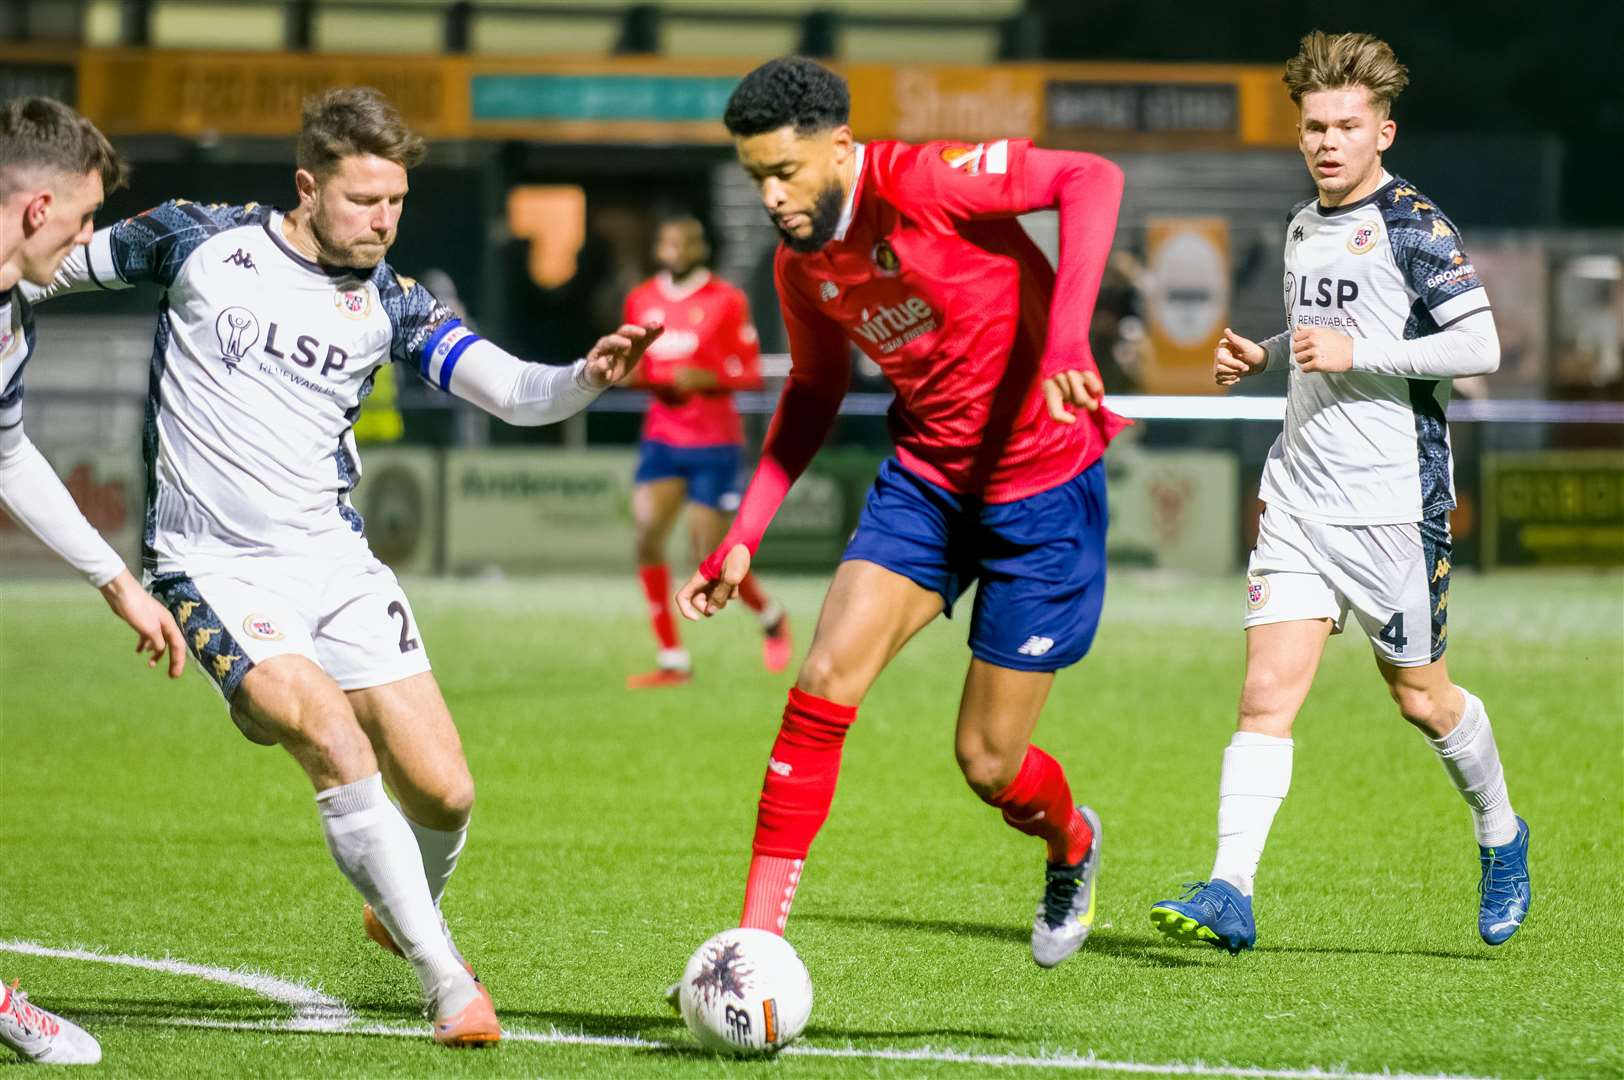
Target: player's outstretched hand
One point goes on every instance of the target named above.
(1321, 349)
(703, 597)
(1077, 389)
(615, 355)
(154, 626)
(1236, 357)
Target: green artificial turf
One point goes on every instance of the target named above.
(612, 832)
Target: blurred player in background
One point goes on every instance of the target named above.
(692, 437)
(913, 254)
(55, 168)
(271, 329)
(1383, 309)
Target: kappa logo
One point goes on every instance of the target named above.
(238, 330)
(827, 291)
(1297, 233)
(1363, 239)
(1036, 646)
(261, 627)
(240, 258)
(1441, 229)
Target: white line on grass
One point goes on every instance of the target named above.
(312, 1009)
(315, 1012)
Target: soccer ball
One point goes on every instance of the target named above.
(745, 992)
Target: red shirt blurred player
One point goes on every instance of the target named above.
(692, 438)
(912, 254)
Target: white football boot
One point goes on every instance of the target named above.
(41, 1036)
(1066, 914)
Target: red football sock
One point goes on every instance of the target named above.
(1038, 803)
(795, 798)
(657, 589)
(753, 595)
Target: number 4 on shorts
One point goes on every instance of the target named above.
(1392, 634)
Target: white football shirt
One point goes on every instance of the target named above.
(1361, 448)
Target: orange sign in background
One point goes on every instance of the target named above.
(206, 93)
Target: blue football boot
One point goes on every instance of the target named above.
(1504, 892)
(1211, 911)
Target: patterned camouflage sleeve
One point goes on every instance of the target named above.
(1427, 248)
(151, 247)
(428, 336)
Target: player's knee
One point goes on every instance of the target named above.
(650, 547)
(822, 675)
(986, 771)
(1418, 705)
(455, 803)
(1269, 700)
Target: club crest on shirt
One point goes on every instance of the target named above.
(827, 291)
(261, 627)
(1362, 240)
(354, 302)
(1257, 591)
(966, 159)
(885, 258)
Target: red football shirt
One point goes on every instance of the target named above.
(930, 276)
(707, 325)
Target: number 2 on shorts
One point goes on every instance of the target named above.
(407, 644)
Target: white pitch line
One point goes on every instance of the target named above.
(1062, 1061)
(312, 1009)
(318, 1013)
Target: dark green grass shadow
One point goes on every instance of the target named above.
(1138, 950)
(146, 1011)
(1134, 948)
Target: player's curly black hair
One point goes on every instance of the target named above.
(789, 91)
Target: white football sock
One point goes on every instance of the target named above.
(374, 847)
(1472, 761)
(1254, 782)
(440, 849)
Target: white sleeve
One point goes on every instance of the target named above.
(518, 392)
(33, 495)
(1469, 346)
(87, 268)
(1278, 350)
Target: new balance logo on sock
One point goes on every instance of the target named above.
(779, 767)
(1036, 646)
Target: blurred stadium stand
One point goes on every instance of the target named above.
(605, 114)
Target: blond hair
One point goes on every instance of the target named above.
(1337, 61)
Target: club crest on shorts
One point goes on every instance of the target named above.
(261, 627)
(1257, 591)
(1362, 240)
